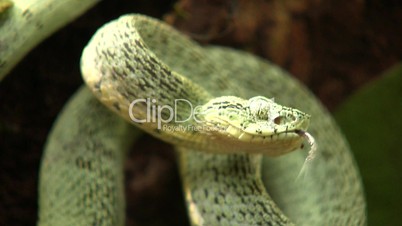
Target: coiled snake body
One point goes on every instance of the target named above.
(225, 176)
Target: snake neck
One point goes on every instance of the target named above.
(128, 71)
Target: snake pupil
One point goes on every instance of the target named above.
(278, 120)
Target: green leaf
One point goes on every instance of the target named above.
(372, 122)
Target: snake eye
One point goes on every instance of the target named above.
(278, 120)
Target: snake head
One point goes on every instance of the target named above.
(256, 125)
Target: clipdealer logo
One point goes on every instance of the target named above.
(155, 113)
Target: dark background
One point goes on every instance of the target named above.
(333, 46)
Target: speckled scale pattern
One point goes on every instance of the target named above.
(220, 189)
(331, 193)
(27, 22)
(81, 177)
(227, 190)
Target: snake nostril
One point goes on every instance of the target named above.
(292, 118)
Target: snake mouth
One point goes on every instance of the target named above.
(272, 144)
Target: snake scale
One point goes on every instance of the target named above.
(25, 23)
(136, 57)
(227, 175)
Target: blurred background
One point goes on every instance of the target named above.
(346, 52)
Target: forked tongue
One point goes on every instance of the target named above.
(311, 153)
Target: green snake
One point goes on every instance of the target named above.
(223, 149)
(25, 23)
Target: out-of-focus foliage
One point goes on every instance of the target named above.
(372, 122)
